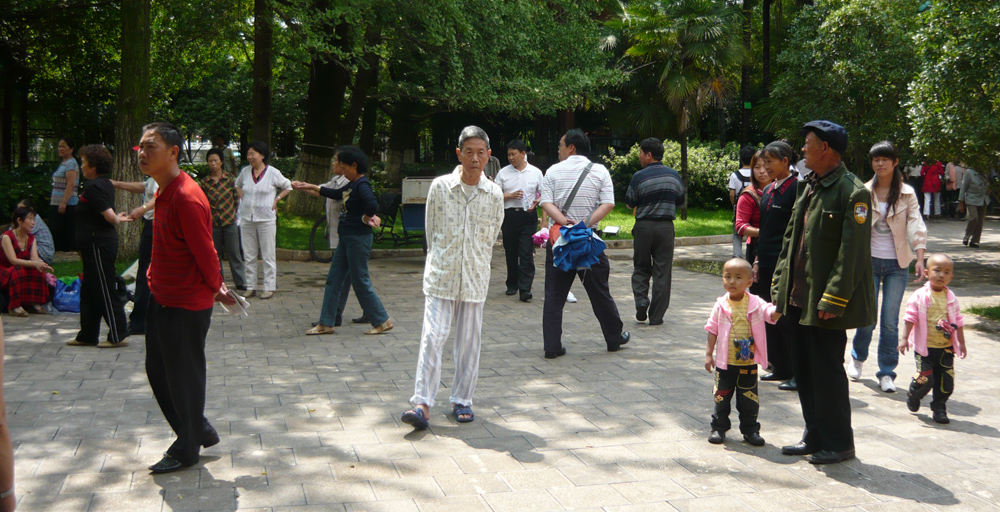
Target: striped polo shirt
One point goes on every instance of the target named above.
(655, 192)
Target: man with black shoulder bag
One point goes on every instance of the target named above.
(573, 190)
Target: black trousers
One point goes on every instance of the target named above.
(742, 382)
(595, 281)
(653, 256)
(137, 320)
(818, 367)
(175, 366)
(99, 296)
(63, 227)
(937, 372)
(780, 335)
(517, 228)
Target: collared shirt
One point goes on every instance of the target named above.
(460, 235)
(333, 209)
(223, 199)
(597, 187)
(151, 188)
(973, 189)
(511, 180)
(258, 195)
(655, 192)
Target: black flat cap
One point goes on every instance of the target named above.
(828, 132)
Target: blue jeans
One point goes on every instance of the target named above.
(351, 258)
(892, 279)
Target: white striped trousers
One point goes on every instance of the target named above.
(438, 315)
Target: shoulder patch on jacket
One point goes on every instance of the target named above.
(860, 212)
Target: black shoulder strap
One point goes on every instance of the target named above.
(576, 188)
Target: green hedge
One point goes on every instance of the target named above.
(33, 182)
(708, 171)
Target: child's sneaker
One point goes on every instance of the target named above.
(912, 403)
(754, 439)
(717, 437)
(941, 417)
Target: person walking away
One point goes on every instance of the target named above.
(739, 180)
(973, 197)
(464, 215)
(932, 174)
(654, 194)
(519, 182)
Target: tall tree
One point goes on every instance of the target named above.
(745, 72)
(765, 17)
(692, 43)
(263, 37)
(133, 110)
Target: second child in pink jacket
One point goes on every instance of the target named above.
(737, 343)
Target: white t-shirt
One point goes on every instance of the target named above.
(883, 246)
(803, 171)
(734, 181)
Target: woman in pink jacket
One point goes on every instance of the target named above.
(896, 224)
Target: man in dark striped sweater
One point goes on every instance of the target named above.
(654, 195)
(185, 281)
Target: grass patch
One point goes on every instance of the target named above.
(705, 267)
(75, 268)
(991, 312)
(294, 231)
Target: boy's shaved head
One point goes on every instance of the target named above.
(737, 264)
(941, 259)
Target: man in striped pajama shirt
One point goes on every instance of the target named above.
(464, 214)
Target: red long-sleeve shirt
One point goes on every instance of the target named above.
(747, 212)
(184, 270)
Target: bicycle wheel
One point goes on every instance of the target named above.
(319, 239)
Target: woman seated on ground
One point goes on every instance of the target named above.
(43, 236)
(22, 272)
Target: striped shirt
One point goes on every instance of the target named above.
(559, 180)
(59, 183)
(655, 192)
(184, 270)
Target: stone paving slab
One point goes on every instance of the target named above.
(312, 423)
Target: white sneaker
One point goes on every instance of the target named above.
(570, 297)
(887, 384)
(854, 369)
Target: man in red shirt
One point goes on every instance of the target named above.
(185, 282)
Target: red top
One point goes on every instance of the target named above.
(184, 270)
(747, 212)
(24, 254)
(932, 177)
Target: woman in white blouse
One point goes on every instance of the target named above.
(260, 188)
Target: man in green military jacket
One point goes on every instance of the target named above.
(823, 282)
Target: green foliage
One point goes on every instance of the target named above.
(955, 100)
(31, 182)
(708, 171)
(848, 61)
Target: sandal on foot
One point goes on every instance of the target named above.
(379, 329)
(463, 410)
(416, 418)
(320, 329)
(18, 311)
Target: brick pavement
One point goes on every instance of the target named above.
(312, 423)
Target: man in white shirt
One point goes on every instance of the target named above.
(739, 180)
(519, 182)
(594, 199)
(464, 213)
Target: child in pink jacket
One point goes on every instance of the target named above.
(934, 330)
(736, 345)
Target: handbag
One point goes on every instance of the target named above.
(554, 232)
(67, 297)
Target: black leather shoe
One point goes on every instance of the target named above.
(788, 385)
(656, 322)
(510, 291)
(799, 448)
(359, 320)
(717, 437)
(965, 241)
(525, 296)
(553, 355)
(625, 337)
(974, 246)
(912, 403)
(209, 438)
(830, 457)
(754, 439)
(167, 464)
(941, 417)
(771, 377)
(640, 314)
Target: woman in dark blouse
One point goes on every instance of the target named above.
(355, 230)
(97, 240)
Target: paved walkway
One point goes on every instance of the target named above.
(312, 423)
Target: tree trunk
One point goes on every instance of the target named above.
(263, 42)
(22, 132)
(328, 80)
(400, 135)
(745, 75)
(684, 173)
(766, 33)
(7, 125)
(369, 122)
(722, 125)
(133, 111)
(365, 80)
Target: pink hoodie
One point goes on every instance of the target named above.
(916, 312)
(721, 322)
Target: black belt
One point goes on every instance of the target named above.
(518, 209)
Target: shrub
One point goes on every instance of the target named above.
(27, 181)
(708, 171)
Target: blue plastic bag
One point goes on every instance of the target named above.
(67, 297)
